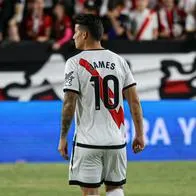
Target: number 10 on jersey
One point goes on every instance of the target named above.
(102, 85)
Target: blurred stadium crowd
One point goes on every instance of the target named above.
(53, 20)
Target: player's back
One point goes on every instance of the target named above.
(99, 77)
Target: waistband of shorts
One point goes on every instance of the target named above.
(100, 147)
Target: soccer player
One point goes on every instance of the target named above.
(95, 81)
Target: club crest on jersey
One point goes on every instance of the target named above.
(68, 78)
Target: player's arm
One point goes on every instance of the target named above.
(68, 110)
(136, 110)
(137, 115)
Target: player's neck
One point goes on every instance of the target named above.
(92, 46)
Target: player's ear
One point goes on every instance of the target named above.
(85, 35)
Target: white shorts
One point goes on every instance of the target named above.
(90, 167)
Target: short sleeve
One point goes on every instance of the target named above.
(129, 80)
(71, 80)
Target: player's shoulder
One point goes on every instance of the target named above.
(104, 52)
(73, 60)
(115, 55)
(75, 57)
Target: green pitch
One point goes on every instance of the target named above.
(143, 179)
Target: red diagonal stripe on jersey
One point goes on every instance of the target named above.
(118, 117)
(144, 26)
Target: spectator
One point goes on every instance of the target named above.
(187, 5)
(5, 15)
(29, 6)
(104, 8)
(190, 24)
(37, 24)
(18, 11)
(13, 32)
(133, 4)
(68, 4)
(153, 4)
(90, 7)
(113, 22)
(144, 22)
(127, 7)
(62, 27)
(48, 6)
(79, 5)
(171, 20)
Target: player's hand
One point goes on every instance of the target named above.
(138, 144)
(62, 148)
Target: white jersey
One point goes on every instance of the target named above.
(187, 5)
(99, 77)
(171, 24)
(190, 23)
(146, 22)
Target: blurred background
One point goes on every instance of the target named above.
(53, 20)
(158, 40)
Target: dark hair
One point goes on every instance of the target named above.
(92, 23)
(112, 4)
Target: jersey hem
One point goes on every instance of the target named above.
(126, 87)
(100, 147)
(71, 90)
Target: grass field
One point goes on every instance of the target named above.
(143, 179)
